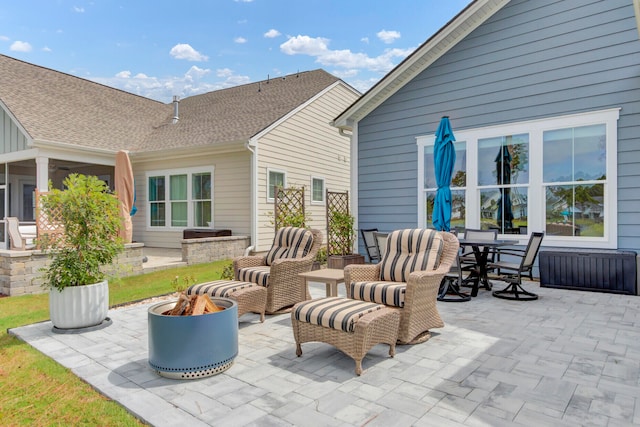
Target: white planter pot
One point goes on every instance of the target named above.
(79, 306)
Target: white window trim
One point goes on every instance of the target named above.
(324, 191)
(167, 173)
(536, 210)
(269, 170)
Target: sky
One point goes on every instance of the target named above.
(158, 49)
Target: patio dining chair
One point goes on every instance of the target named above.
(468, 260)
(512, 272)
(407, 279)
(370, 244)
(292, 252)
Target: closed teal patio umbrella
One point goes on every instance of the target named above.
(444, 158)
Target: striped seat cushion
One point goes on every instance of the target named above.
(387, 293)
(219, 288)
(334, 312)
(290, 242)
(408, 251)
(259, 274)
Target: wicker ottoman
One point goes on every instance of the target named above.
(250, 297)
(351, 326)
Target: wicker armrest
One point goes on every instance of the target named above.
(247, 261)
(361, 272)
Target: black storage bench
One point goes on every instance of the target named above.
(598, 270)
(200, 233)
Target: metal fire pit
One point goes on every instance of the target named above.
(190, 347)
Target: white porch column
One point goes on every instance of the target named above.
(42, 173)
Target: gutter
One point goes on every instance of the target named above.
(252, 146)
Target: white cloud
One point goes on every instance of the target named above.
(224, 72)
(124, 74)
(272, 33)
(78, 9)
(240, 40)
(46, 49)
(388, 37)
(185, 51)
(19, 46)
(365, 40)
(4, 38)
(344, 59)
(305, 45)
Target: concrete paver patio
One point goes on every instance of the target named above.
(570, 358)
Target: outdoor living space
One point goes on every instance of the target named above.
(569, 358)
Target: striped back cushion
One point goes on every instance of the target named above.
(333, 312)
(290, 242)
(408, 251)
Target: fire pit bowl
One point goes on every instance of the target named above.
(191, 347)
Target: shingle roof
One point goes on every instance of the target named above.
(237, 113)
(59, 107)
(55, 106)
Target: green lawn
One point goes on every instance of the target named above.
(37, 391)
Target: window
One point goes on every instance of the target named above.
(317, 190)
(557, 175)
(275, 179)
(187, 200)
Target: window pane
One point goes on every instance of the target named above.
(201, 183)
(178, 214)
(156, 188)
(276, 179)
(178, 187)
(503, 209)
(575, 154)
(157, 214)
(503, 160)
(318, 190)
(202, 213)
(459, 178)
(575, 210)
(458, 208)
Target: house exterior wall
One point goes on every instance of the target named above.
(531, 60)
(231, 196)
(11, 136)
(305, 145)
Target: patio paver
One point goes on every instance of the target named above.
(570, 358)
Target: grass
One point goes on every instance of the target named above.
(37, 391)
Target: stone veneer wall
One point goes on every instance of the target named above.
(208, 249)
(20, 271)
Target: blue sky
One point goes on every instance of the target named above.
(159, 48)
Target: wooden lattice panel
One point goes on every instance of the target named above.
(289, 207)
(336, 203)
(50, 227)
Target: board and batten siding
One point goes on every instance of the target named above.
(231, 196)
(531, 60)
(12, 137)
(305, 145)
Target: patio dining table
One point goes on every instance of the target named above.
(481, 250)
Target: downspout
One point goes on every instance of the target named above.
(253, 149)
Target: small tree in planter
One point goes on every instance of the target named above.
(342, 237)
(89, 216)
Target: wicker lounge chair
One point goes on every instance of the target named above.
(292, 252)
(407, 279)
